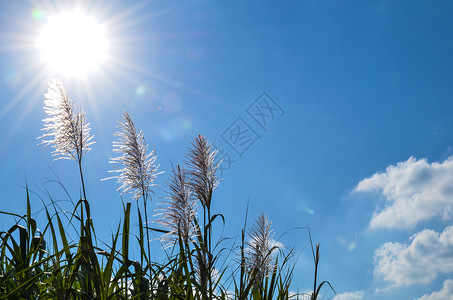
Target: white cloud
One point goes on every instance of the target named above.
(428, 254)
(358, 295)
(414, 191)
(446, 293)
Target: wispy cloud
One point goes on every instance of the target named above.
(357, 295)
(427, 255)
(414, 191)
(446, 293)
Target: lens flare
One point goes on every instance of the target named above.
(37, 14)
(12, 78)
(140, 90)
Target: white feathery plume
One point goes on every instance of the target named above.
(178, 209)
(138, 170)
(261, 245)
(201, 160)
(68, 131)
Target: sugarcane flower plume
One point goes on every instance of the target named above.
(66, 130)
(201, 160)
(178, 210)
(137, 170)
(261, 247)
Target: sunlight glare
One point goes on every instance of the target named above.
(72, 44)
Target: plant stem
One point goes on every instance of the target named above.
(81, 178)
(209, 253)
(82, 229)
(314, 296)
(147, 237)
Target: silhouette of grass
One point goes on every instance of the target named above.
(73, 266)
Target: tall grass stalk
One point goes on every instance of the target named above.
(317, 288)
(203, 168)
(68, 133)
(66, 129)
(137, 170)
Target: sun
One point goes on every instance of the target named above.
(72, 44)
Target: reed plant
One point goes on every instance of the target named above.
(57, 264)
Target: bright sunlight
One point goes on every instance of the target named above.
(72, 44)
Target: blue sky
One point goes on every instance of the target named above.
(359, 148)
